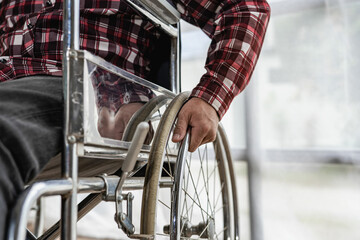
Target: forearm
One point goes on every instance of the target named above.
(237, 30)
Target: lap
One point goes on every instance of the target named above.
(31, 116)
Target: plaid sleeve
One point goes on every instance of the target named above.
(237, 29)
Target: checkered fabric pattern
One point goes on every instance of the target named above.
(112, 91)
(31, 40)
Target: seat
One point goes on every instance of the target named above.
(195, 193)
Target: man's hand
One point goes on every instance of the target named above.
(112, 125)
(203, 120)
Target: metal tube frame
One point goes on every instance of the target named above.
(105, 185)
(64, 187)
(175, 64)
(170, 30)
(73, 86)
(39, 218)
(26, 201)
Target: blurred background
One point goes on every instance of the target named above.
(294, 131)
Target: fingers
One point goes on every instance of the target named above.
(181, 126)
(201, 134)
(106, 123)
(203, 120)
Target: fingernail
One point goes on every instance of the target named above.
(176, 137)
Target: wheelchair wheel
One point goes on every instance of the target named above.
(200, 202)
(144, 114)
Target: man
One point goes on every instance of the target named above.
(31, 104)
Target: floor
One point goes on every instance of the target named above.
(298, 202)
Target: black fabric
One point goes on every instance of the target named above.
(31, 119)
(160, 62)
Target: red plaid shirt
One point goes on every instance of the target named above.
(31, 40)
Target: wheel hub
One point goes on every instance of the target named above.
(203, 229)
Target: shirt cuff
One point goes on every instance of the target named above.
(213, 93)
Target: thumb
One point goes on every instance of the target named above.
(181, 126)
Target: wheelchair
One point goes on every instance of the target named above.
(184, 195)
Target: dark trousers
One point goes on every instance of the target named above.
(31, 119)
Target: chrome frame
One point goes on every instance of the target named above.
(164, 15)
(76, 142)
(176, 190)
(73, 129)
(91, 136)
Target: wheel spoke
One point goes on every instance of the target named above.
(219, 195)
(201, 190)
(167, 206)
(220, 208)
(202, 210)
(207, 226)
(196, 193)
(221, 232)
(207, 170)
(167, 172)
(205, 182)
(186, 182)
(168, 161)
